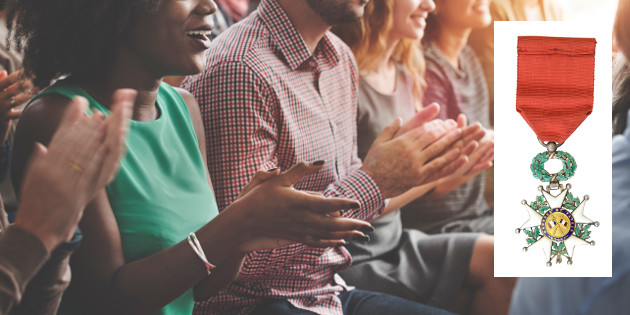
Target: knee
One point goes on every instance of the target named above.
(481, 270)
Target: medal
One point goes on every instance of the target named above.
(554, 95)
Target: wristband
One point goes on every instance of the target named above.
(196, 246)
(73, 243)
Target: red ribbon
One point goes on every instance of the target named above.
(554, 92)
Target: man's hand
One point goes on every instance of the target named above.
(416, 153)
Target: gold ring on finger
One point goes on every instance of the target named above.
(76, 167)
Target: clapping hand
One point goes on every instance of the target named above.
(82, 157)
(14, 91)
(279, 215)
(483, 154)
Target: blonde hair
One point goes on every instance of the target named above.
(621, 29)
(368, 39)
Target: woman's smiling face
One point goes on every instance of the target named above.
(464, 13)
(409, 18)
(173, 40)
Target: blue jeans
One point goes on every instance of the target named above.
(356, 302)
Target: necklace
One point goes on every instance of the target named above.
(554, 95)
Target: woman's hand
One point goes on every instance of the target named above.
(275, 214)
(270, 213)
(483, 154)
(14, 91)
(480, 143)
(83, 156)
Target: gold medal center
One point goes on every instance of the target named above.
(558, 224)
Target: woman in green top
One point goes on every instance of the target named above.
(134, 257)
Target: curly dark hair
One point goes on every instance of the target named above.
(70, 37)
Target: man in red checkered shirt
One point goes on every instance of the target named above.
(280, 89)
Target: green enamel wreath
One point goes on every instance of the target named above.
(568, 166)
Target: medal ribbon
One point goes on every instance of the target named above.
(554, 92)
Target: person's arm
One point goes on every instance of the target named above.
(98, 265)
(441, 91)
(44, 291)
(105, 283)
(241, 133)
(243, 125)
(53, 197)
(226, 272)
(469, 146)
(403, 199)
(17, 265)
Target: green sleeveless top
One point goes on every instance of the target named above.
(161, 192)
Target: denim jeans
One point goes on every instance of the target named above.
(356, 302)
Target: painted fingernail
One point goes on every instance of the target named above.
(367, 229)
(355, 206)
(362, 238)
(319, 163)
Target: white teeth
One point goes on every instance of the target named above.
(199, 32)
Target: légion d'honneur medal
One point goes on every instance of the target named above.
(554, 95)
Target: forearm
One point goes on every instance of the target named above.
(407, 197)
(17, 265)
(146, 285)
(223, 275)
(445, 187)
(43, 293)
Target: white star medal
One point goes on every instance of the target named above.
(557, 223)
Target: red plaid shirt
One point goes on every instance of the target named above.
(267, 102)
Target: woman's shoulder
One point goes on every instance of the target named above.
(38, 123)
(44, 112)
(186, 98)
(192, 107)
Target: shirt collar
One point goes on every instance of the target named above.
(290, 43)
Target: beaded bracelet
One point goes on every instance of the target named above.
(196, 246)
